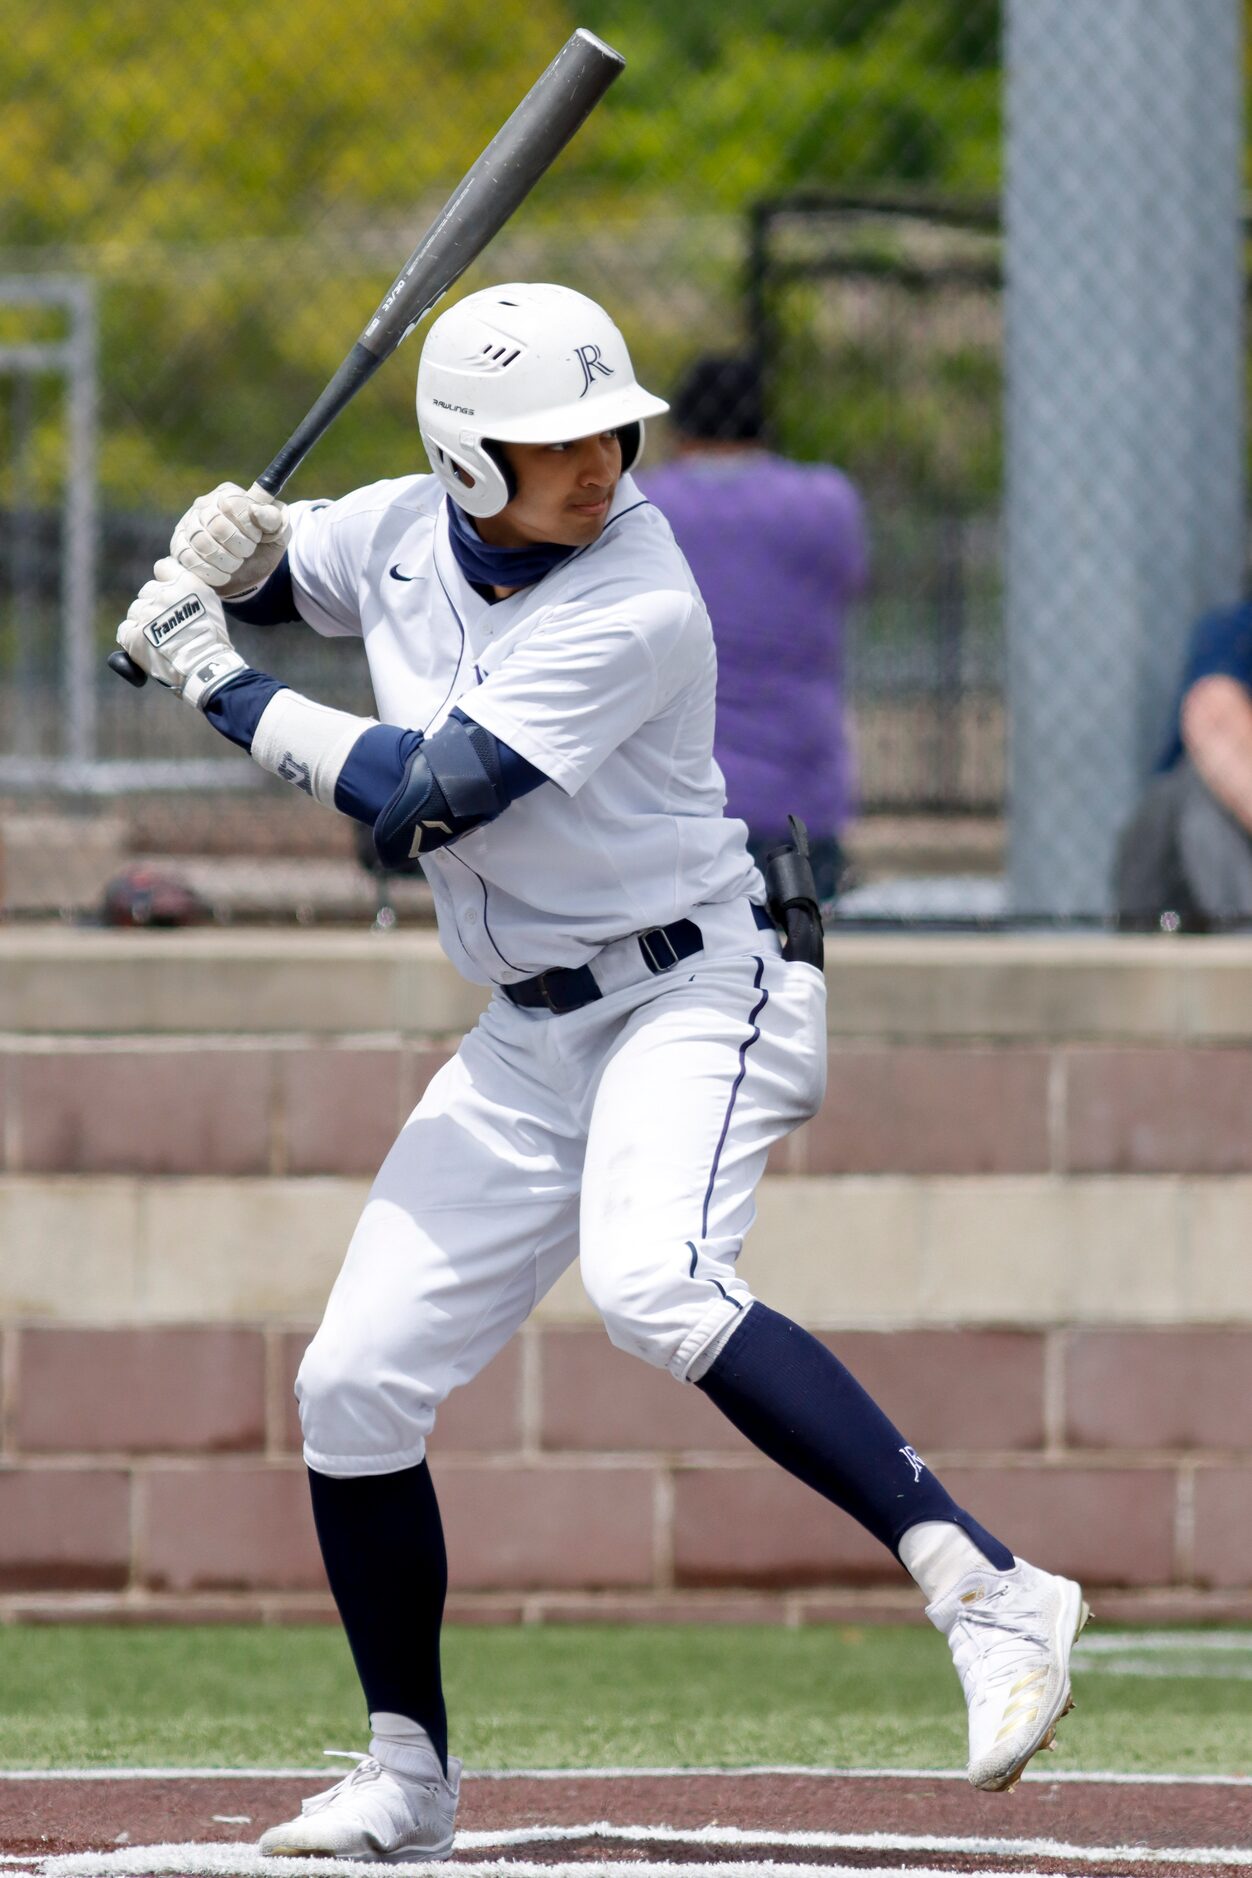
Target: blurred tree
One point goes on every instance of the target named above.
(148, 120)
(243, 183)
(966, 34)
(893, 136)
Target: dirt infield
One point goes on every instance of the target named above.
(759, 1821)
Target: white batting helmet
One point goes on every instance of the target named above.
(523, 363)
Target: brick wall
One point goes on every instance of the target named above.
(265, 1106)
(159, 1465)
(1023, 1218)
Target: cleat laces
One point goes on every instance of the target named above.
(1010, 1638)
(372, 1813)
(981, 1642)
(364, 1774)
(366, 1771)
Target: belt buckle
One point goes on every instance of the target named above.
(582, 985)
(654, 963)
(552, 998)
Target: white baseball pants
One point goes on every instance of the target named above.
(630, 1133)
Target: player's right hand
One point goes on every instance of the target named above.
(232, 539)
(176, 632)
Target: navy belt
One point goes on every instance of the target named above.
(661, 948)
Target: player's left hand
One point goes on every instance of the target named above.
(232, 539)
(175, 630)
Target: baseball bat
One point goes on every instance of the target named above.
(560, 99)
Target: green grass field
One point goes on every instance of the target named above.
(586, 1696)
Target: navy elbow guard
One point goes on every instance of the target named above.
(453, 783)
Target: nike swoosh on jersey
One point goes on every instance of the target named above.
(397, 575)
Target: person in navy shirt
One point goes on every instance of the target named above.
(1186, 855)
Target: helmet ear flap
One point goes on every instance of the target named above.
(475, 476)
(630, 437)
(496, 452)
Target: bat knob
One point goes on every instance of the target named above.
(125, 667)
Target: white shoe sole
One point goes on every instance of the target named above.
(1073, 1617)
(409, 1854)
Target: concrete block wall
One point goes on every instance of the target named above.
(1024, 1218)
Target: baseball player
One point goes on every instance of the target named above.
(544, 674)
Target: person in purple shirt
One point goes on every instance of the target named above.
(778, 550)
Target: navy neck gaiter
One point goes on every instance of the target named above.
(485, 566)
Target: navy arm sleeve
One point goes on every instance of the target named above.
(415, 792)
(236, 709)
(273, 604)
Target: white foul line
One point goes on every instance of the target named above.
(756, 1771)
(789, 1769)
(979, 1844)
(183, 1861)
(1170, 1655)
(215, 1859)
(1164, 1643)
(1174, 1669)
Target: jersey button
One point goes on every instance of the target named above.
(471, 917)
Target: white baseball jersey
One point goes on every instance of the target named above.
(630, 1131)
(603, 675)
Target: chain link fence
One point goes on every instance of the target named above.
(200, 208)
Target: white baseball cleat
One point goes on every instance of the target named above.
(373, 1815)
(1011, 1634)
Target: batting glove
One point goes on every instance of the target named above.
(176, 630)
(232, 539)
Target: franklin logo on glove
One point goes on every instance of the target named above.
(157, 631)
(175, 631)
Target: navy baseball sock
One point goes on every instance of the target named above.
(798, 1404)
(382, 1545)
